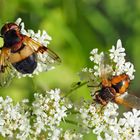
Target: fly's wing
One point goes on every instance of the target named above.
(6, 69)
(105, 70)
(128, 100)
(102, 77)
(44, 54)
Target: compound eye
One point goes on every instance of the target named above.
(9, 26)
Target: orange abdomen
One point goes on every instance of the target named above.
(120, 83)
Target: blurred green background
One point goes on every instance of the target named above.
(76, 27)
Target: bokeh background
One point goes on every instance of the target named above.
(76, 27)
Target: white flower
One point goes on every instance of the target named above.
(43, 38)
(23, 122)
(118, 53)
(45, 62)
(108, 65)
(132, 118)
(56, 134)
(103, 121)
(97, 58)
(49, 110)
(13, 118)
(59, 134)
(97, 117)
(71, 135)
(129, 69)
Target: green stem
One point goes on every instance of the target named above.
(75, 88)
(71, 122)
(75, 123)
(72, 111)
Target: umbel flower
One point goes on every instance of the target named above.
(59, 134)
(103, 120)
(112, 62)
(44, 39)
(49, 111)
(41, 119)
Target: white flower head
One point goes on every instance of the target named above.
(45, 60)
(97, 117)
(71, 135)
(23, 121)
(60, 134)
(14, 121)
(104, 122)
(96, 58)
(117, 55)
(108, 64)
(49, 110)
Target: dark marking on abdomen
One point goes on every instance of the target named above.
(118, 86)
(26, 66)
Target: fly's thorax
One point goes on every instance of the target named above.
(106, 83)
(105, 95)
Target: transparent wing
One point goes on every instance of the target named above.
(7, 71)
(105, 70)
(44, 54)
(128, 100)
(6, 76)
(102, 65)
(95, 81)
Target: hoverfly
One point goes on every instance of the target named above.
(113, 88)
(20, 53)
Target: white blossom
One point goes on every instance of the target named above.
(110, 64)
(105, 123)
(104, 120)
(45, 62)
(13, 118)
(117, 55)
(56, 134)
(25, 122)
(49, 111)
(96, 58)
(71, 135)
(60, 134)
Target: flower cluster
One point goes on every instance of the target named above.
(104, 122)
(49, 111)
(59, 134)
(118, 57)
(43, 118)
(43, 38)
(113, 63)
(14, 121)
(71, 135)
(45, 62)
